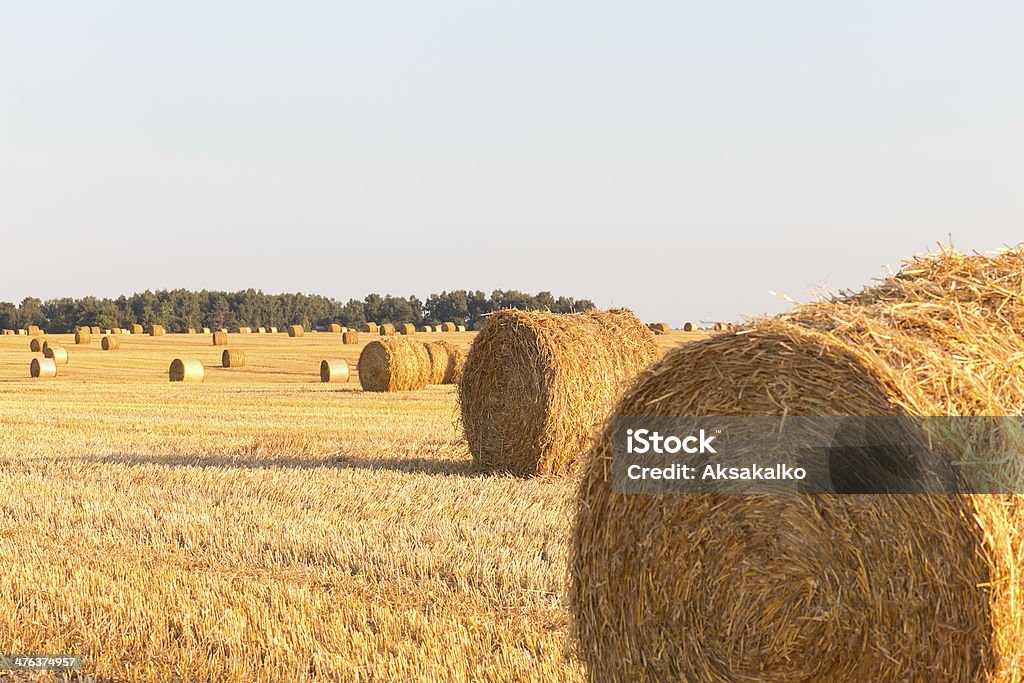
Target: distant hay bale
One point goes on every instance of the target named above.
(116, 330)
(137, 329)
(369, 328)
(394, 364)
(859, 587)
(295, 331)
(447, 327)
(261, 330)
(157, 331)
(43, 368)
(334, 370)
(206, 330)
(273, 330)
(386, 330)
(107, 331)
(460, 328)
(95, 330)
(689, 327)
(46, 345)
(232, 358)
(8, 333)
(190, 330)
(350, 337)
(535, 384)
(58, 354)
(427, 328)
(110, 343)
(35, 345)
(186, 370)
(21, 332)
(660, 328)
(244, 330)
(407, 329)
(33, 330)
(220, 338)
(334, 328)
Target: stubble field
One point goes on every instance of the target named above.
(265, 526)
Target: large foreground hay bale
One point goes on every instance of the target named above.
(334, 370)
(136, 329)
(535, 384)
(35, 345)
(296, 331)
(220, 338)
(393, 364)
(42, 368)
(448, 327)
(350, 337)
(232, 358)
(856, 587)
(157, 331)
(369, 328)
(660, 328)
(110, 343)
(186, 370)
(334, 328)
(58, 354)
(407, 329)
(387, 330)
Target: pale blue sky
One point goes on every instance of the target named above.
(680, 158)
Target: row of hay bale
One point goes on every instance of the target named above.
(665, 328)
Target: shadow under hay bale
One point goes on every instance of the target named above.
(535, 384)
(819, 587)
(393, 364)
(334, 370)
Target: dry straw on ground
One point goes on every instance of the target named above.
(823, 587)
(58, 354)
(232, 358)
(334, 370)
(220, 338)
(394, 364)
(386, 330)
(536, 384)
(660, 328)
(407, 328)
(157, 331)
(110, 343)
(43, 368)
(186, 370)
(296, 331)
(350, 337)
(35, 345)
(369, 328)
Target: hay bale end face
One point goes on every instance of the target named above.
(660, 328)
(334, 370)
(58, 354)
(689, 327)
(186, 370)
(232, 358)
(220, 338)
(35, 345)
(534, 385)
(394, 364)
(157, 331)
(407, 329)
(884, 587)
(350, 337)
(296, 331)
(110, 343)
(387, 330)
(369, 328)
(42, 368)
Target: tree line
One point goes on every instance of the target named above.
(179, 309)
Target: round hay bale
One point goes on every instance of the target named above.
(855, 587)
(447, 327)
(427, 328)
(460, 328)
(369, 328)
(719, 327)
(206, 330)
(295, 331)
(220, 338)
(137, 329)
(190, 330)
(83, 337)
(232, 358)
(689, 327)
(45, 346)
(95, 330)
(157, 331)
(535, 384)
(110, 343)
(273, 330)
(261, 330)
(244, 330)
(186, 370)
(43, 368)
(21, 332)
(407, 329)
(8, 333)
(386, 330)
(660, 328)
(116, 330)
(438, 357)
(335, 370)
(33, 330)
(350, 337)
(58, 354)
(35, 345)
(393, 364)
(334, 328)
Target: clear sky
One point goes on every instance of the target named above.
(680, 158)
